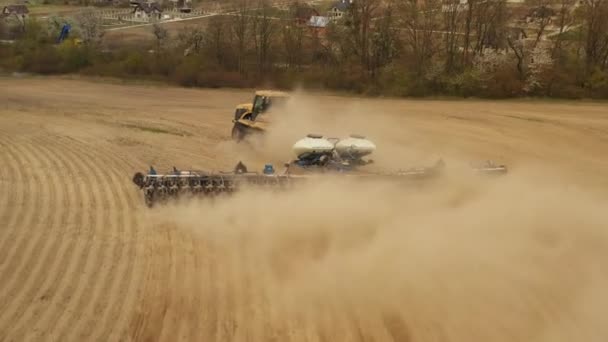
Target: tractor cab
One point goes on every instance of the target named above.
(251, 117)
(262, 103)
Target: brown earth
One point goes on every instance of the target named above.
(144, 36)
(520, 258)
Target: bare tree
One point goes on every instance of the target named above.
(20, 19)
(489, 24)
(384, 42)
(335, 49)
(541, 16)
(293, 45)
(161, 34)
(483, 26)
(264, 29)
(90, 26)
(539, 67)
(3, 29)
(218, 40)
(191, 40)
(419, 20)
(359, 22)
(518, 47)
(488, 63)
(468, 27)
(596, 45)
(452, 17)
(565, 19)
(240, 27)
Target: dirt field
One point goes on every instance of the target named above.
(144, 35)
(521, 258)
(53, 10)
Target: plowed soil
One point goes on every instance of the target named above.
(518, 258)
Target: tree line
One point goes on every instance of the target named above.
(483, 48)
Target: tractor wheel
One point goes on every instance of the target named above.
(238, 132)
(149, 199)
(138, 179)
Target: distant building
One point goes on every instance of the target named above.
(146, 11)
(303, 13)
(453, 5)
(339, 9)
(318, 22)
(184, 6)
(463, 5)
(539, 12)
(19, 11)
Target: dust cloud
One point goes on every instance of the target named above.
(463, 258)
(334, 118)
(497, 260)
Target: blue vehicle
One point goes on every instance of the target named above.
(64, 33)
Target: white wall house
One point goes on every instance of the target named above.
(339, 9)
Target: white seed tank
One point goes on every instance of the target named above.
(355, 146)
(312, 144)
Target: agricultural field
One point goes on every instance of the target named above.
(143, 33)
(517, 258)
(44, 11)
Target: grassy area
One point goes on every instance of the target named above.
(572, 35)
(140, 35)
(43, 10)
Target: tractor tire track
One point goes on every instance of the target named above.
(169, 318)
(15, 198)
(182, 312)
(195, 329)
(73, 233)
(22, 189)
(122, 284)
(6, 191)
(154, 304)
(119, 278)
(90, 261)
(115, 321)
(251, 316)
(73, 273)
(100, 295)
(23, 251)
(228, 317)
(46, 262)
(10, 186)
(151, 290)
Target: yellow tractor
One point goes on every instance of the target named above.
(252, 117)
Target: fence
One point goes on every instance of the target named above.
(127, 15)
(116, 14)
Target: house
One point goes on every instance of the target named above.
(339, 9)
(146, 11)
(17, 11)
(539, 13)
(318, 22)
(184, 6)
(454, 5)
(303, 13)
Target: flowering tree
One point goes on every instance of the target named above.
(90, 26)
(539, 64)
